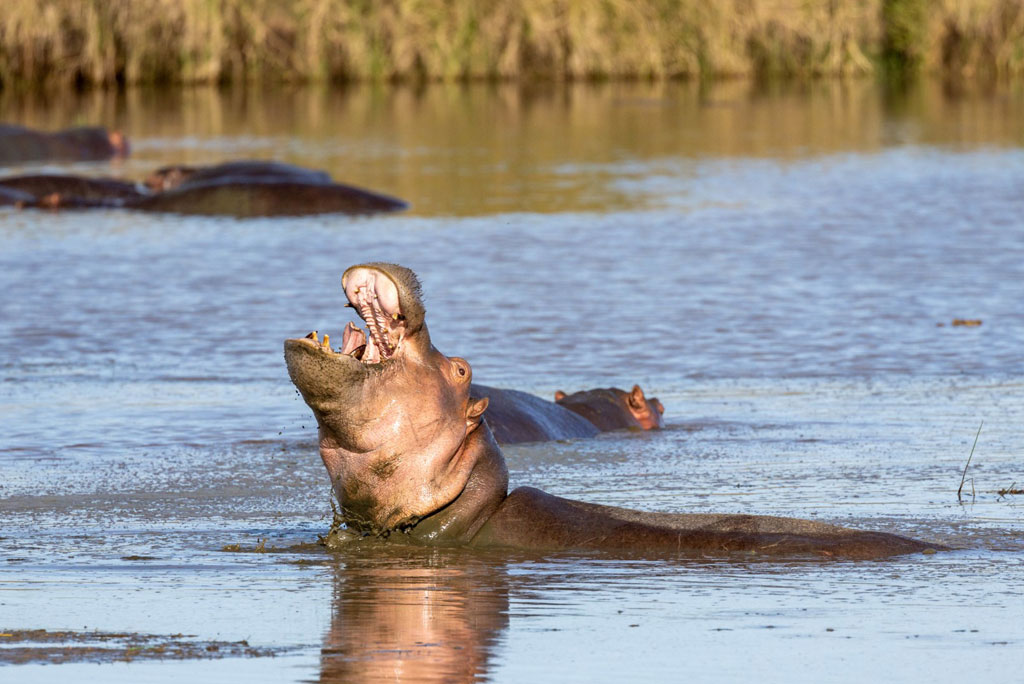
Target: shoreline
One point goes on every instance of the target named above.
(123, 42)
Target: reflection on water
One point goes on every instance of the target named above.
(780, 266)
(469, 150)
(416, 615)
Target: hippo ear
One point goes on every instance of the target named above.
(559, 395)
(636, 397)
(658, 405)
(475, 409)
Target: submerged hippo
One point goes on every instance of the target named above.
(171, 177)
(267, 196)
(60, 191)
(515, 417)
(19, 144)
(412, 460)
(15, 198)
(614, 409)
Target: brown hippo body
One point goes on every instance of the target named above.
(516, 417)
(531, 519)
(65, 191)
(19, 145)
(613, 409)
(171, 177)
(411, 459)
(9, 197)
(253, 197)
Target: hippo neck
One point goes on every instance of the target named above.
(484, 492)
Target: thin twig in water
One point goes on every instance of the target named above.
(1012, 489)
(967, 465)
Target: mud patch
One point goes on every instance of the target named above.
(20, 646)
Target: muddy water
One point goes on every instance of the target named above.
(780, 267)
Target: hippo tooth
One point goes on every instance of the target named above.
(327, 342)
(313, 336)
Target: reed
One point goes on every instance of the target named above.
(104, 42)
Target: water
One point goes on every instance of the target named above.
(780, 267)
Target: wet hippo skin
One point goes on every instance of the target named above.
(171, 177)
(613, 409)
(516, 417)
(9, 197)
(19, 144)
(58, 191)
(411, 459)
(266, 196)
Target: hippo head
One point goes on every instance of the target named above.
(169, 177)
(393, 412)
(119, 143)
(612, 408)
(647, 412)
(93, 142)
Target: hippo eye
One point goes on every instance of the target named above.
(461, 368)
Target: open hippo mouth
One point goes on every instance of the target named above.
(392, 411)
(387, 298)
(375, 298)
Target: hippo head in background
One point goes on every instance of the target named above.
(612, 408)
(169, 177)
(393, 412)
(93, 142)
(119, 142)
(648, 412)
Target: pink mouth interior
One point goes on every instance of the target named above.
(375, 298)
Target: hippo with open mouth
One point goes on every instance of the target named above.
(411, 458)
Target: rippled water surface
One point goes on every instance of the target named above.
(781, 267)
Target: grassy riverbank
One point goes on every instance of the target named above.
(79, 42)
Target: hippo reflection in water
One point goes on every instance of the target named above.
(417, 615)
(412, 460)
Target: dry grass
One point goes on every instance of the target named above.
(203, 41)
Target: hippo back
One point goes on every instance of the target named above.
(254, 197)
(515, 416)
(259, 170)
(91, 191)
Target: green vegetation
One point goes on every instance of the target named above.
(906, 30)
(82, 42)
